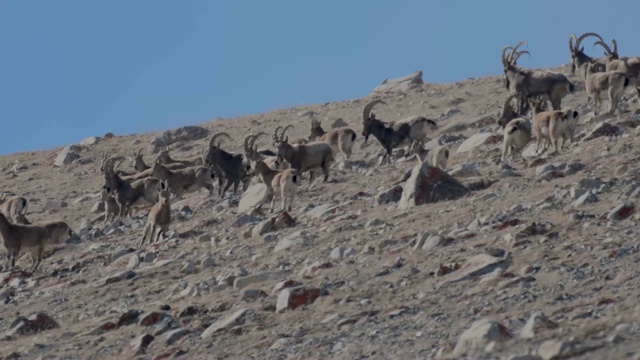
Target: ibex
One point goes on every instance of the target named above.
(610, 83)
(580, 60)
(185, 180)
(231, 166)
(285, 183)
(166, 159)
(394, 135)
(14, 208)
(339, 139)
(23, 238)
(137, 162)
(252, 154)
(128, 194)
(527, 83)
(630, 66)
(305, 157)
(159, 217)
(439, 155)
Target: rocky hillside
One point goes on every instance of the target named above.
(535, 257)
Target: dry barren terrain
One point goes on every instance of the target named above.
(539, 258)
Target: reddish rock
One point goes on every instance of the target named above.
(153, 318)
(622, 211)
(428, 184)
(292, 298)
(285, 284)
(108, 326)
(282, 221)
(34, 324)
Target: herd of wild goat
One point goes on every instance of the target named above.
(280, 170)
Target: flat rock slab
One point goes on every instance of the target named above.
(477, 140)
(477, 265)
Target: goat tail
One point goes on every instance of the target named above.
(626, 81)
(513, 129)
(572, 87)
(353, 135)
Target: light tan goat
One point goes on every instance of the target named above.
(341, 140)
(610, 83)
(159, 217)
(14, 208)
(516, 130)
(438, 156)
(286, 183)
(111, 208)
(551, 126)
(27, 238)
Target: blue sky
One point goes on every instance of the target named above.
(76, 68)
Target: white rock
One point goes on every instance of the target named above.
(479, 336)
(252, 198)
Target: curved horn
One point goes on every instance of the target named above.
(275, 134)
(367, 108)
(247, 147)
(115, 167)
(586, 35)
(515, 51)
(285, 130)
(517, 56)
(216, 135)
(614, 44)
(507, 102)
(605, 46)
(255, 138)
(504, 57)
(572, 47)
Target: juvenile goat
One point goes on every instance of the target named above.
(28, 238)
(438, 156)
(159, 217)
(551, 126)
(286, 183)
(516, 130)
(610, 83)
(340, 140)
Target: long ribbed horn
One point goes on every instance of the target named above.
(517, 56)
(584, 36)
(284, 131)
(507, 102)
(572, 47)
(605, 46)
(255, 138)
(276, 138)
(514, 51)
(503, 56)
(614, 44)
(247, 147)
(216, 135)
(367, 108)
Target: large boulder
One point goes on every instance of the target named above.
(253, 198)
(404, 83)
(67, 156)
(185, 133)
(428, 184)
